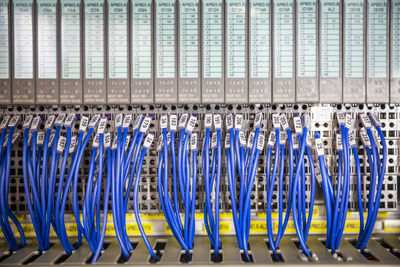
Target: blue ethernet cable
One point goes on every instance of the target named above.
(192, 222)
(312, 192)
(217, 125)
(182, 126)
(146, 146)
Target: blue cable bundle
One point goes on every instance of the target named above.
(6, 145)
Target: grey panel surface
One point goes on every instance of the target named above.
(5, 44)
(395, 52)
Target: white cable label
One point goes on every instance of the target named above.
(295, 142)
(275, 121)
(35, 123)
(160, 143)
(93, 122)
(107, 140)
(61, 144)
(118, 120)
(298, 127)
(319, 145)
(145, 124)
(341, 117)
(352, 139)
(227, 141)
(238, 121)
(364, 137)
(258, 120)
(193, 141)
(250, 140)
(308, 139)
(271, 139)
(40, 138)
(217, 121)
(306, 121)
(339, 144)
(260, 141)
(229, 121)
(208, 118)
(14, 121)
(127, 121)
(27, 122)
(183, 120)
(149, 140)
(102, 125)
(49, 122)
(60, 119)
(173, 122)
(128, 139)
(242, 138)
(366, 122)
(73, 144)
(83, 124)
(137, 121)
(5, 121)
(15, 138)
(284, 122)
(96, 140)
(282, 138)
(114, 143)
(191, 124)
(214, 140)
(164, 122)
(51, 139)
(69, 120)
(349, 121)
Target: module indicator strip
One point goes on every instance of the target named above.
(307, 48)
(330, 21)
(189, 46)
(395, 52)
(213, 51)
(142, 91)
(166, 56)
(5, 62)
(23, 82)
(284, 84)
(71, 78)
(260, 52)
(47, 91)
(236, 51)
(118, 91)
(354, 52)
(94, 83)
(377, 49)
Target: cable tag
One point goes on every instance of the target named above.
(15, 138)
(298, 127)
(69, 120)
(229, 121)
(242, 139)
(73, 144)
(375, 120)
(208, 118)
(49, 122)
(364, 137)
(102, 125)
(183, 120)
(173, 122)
(284, 122)
(250, 140)
(114, 143)
(60, 119)
(6, 139)
(61, 144)
(149, 140)
(83, 124)
(160, 143)
(14, 121)
(27, 122)
(341, 118)
(127, 121)
(128, 139)
(51, 140)
(271, 139)
(295, 142)
(365, 120)
(214, 140)
(145, 124)
(191, 124)
(339, 143)
(164, 121)
(349, 121)
(260, 141)
(308, 139)
(227, 141)
(193, 141)
(40, 138)
(282, 138)
(93, 122)
(217, 121)
(96, 140)
(118, 120)
(137, 121)
(5, 121)
(306, 121)
(168, 138)
(352, 138)
(238, 121)
(35, 123)
(319, 146)
(275, 121)
(258, 120)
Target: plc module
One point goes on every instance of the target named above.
(199, 132)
